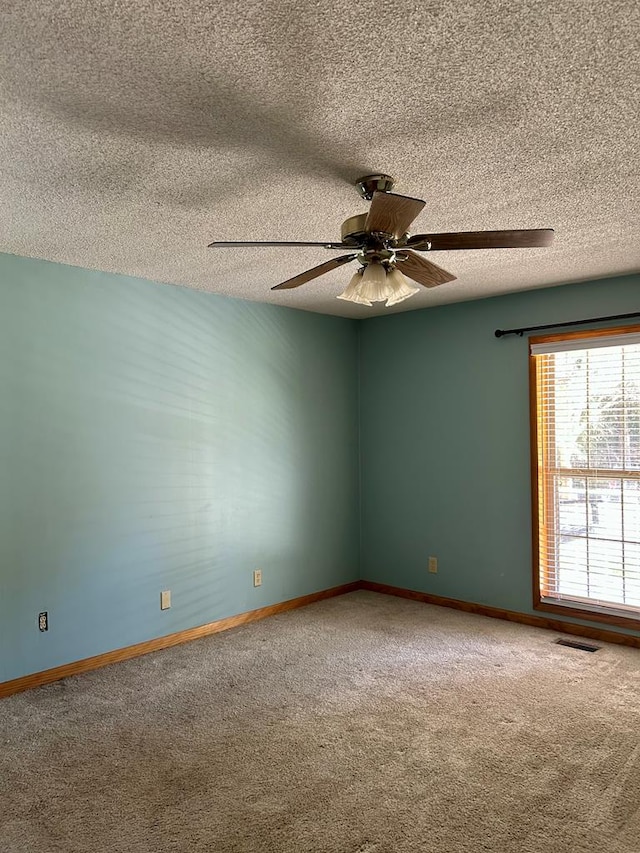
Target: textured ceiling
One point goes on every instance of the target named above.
(135, 133)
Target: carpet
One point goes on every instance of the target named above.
(361, 724)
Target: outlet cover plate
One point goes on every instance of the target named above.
(433, 565)
(257, 577)
(165, 599)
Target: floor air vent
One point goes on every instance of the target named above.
(576, 644)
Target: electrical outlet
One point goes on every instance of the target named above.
(257, 577)
(43, 621)
(165, 599)
(433, 565)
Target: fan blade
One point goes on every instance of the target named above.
(423, 271)
(314, 272)
(392, 214)
(240, 243)
(519, 239)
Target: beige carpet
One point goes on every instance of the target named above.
(363, 724)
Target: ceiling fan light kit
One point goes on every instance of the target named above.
(387, 253)
(377, 283)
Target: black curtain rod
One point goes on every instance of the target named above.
(500, 333)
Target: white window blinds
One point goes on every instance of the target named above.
(587, 437)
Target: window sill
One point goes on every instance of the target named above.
(592, 613)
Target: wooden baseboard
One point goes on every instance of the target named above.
(37, 679)
(558, 625)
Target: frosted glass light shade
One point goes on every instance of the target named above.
(400, 288)
(374, 283)
(352, 291)
(375, 287)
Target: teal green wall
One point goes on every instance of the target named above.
(445, 440)
(153, 437)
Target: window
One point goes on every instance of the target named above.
(585, 393)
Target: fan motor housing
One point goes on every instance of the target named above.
(352, 230)
(353, 233)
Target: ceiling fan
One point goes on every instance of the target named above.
(380, 242)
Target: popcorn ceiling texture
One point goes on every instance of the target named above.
(133, 134)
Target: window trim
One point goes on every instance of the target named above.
(591, 613)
